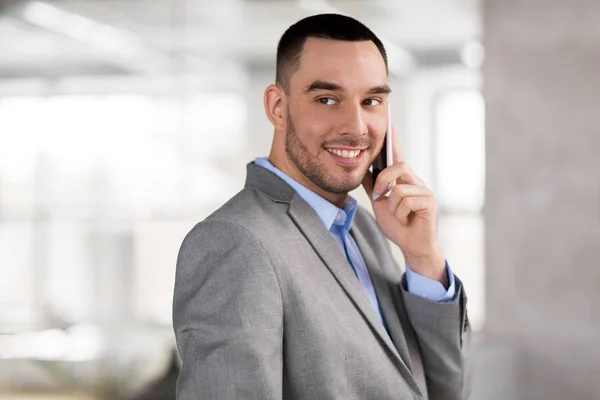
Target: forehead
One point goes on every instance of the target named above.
(350, 64)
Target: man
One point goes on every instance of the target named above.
(289, 290)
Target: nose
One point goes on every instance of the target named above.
(353, 121)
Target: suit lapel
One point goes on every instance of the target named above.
(316, 233)
(384, 297)
(313, 229)
(392, 308)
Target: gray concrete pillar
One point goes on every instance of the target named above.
(542, 213)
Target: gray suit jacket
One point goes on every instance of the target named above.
(266, 306)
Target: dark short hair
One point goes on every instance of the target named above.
(324, 26)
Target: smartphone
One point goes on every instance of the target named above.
(385, 158)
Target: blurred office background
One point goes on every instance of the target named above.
(125, 122)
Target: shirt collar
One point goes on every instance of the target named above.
(329, 213)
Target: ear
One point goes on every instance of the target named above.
(275, 101)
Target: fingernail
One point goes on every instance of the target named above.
(375, 195)
(378, 188)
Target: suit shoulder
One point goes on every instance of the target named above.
(244, 215)
(220, 245)
(251, 209)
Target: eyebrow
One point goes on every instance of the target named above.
(383, 89)
(324, 85)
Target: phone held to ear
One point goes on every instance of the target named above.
(385, 157)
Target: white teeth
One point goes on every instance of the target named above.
(345, 153)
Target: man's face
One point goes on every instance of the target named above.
(337, 112)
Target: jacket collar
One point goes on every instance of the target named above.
(267, 182)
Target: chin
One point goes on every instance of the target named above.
(347, 184)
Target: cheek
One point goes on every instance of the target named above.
(377, 128)
(312, 126)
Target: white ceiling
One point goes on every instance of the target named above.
(154, 33)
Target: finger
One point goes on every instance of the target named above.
(367, 184)
(399, 172)
(402, 191)
(409, 205)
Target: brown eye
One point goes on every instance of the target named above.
(328, 101)
(371, 102)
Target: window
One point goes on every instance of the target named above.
(459, 174)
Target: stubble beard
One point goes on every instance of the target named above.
(314, 169)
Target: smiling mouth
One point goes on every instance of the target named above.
(345, 153)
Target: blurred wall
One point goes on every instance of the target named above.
(125, 122)
(542, 89)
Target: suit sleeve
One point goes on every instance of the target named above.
(443, 333)
(227, 316)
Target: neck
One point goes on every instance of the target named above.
(285, 165)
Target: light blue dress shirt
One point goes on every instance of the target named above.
(339, 222)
